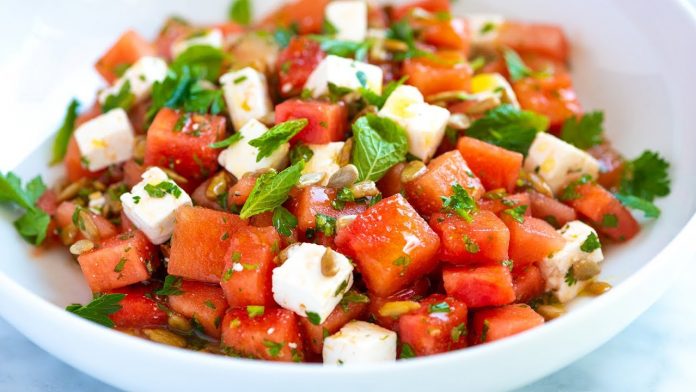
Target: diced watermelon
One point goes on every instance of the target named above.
(327, 121)
(74, 168)
(445, 71)
(118, 262)
(183, 143)
(412, 293)
(139, 309)
(552, 96)
(605, 211)
(497, 203)
(64, 218)
(437, 327)
(611, 164)
(315, 334)
(391, 183)
(484, 240)
(529, 283)
(200, 198)
(426, 192)
(306, 15)
(132, 173)
(174, 29)
(202, 302)
(488, 325)
(296, 63)
(479, 287)
(249, 263)
(448, 34)
(532, 240)
(273, 336)
(535, 38)
(495, 166)
(391, 244)
(199, 243)
(308, 202)
(129, 48)
(48, 202)
(433, 6)
(240, 191)
(551, 210)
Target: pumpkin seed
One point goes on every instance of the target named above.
(412, 170)
(310, 179)
(68, 234)
(218, 185)
(585, 270)
(550, 312)
(178, 178)
(344, 177)
(344, 155)
(165, 337)
(459, 121)
(328, 264)
(179, 323)
(139, 147)
(344, 221)
(398, 308)
(81, 247)
(91, 231)
(597, 288)
(71, 190)
(364, 189)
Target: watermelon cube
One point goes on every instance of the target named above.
(139, 309)
(202, 302)
(327, 121)
(495, 166)
(532, 240)
(437, 327)
(488, 325)
(479, 287)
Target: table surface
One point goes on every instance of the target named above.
(655, 353)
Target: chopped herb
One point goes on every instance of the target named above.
(610, 221)
(241, 12)
(296, 355)
(646, 177)
(33, 224)
(136, 199)
(484, 331)
(379, 144)
(509, 264)
(301, 152)
(353, 297)
(99, 309)
(313, 318)
(328, 28)
(172, 286)
(277, 136)
(160, 190)
(227, 142)
(341, 288)
(477, 63)
(460, 202)
(457, 332)
(271, 190)
(518, 69)
(442, 307)
(124, 99)
(325, 224)
(487, 28)
(403, 262)
(649, 209)
(516, 213)
(570, 277)
(273, 348)
(362, 78)
(470, 245)
(571, 191)
(227, 275)
(60, 143)
(240, 79)
(372, 98)
(255, 311)
(121, 265)
(585, 131)
(343, 48)
(407, 351)
(591, 243)
(284, 221)
(209, 304)
(509, 128)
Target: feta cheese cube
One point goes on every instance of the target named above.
(484, 28)
(299, 284)
(246, 94)
(142, 76)
(496, 84)
(359, 342)
(240, 157)
(349, 17)
(105, 140)
(556, 266)
(324, 159)
(153, 213)
(212, 37)
(343, 72)
(559, 163)
(425, 124)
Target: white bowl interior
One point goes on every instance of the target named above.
(625, 62)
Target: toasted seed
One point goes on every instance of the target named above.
(395, 45)
(98, 185)
(71, 190)
(178, 178)
(344, 177)
(459, 121)
(597, 288)
(91, 231)
(139, 147)
(534, 181)
(283, 255)
(484, 104)
(218, 185)
(397, 308)
(344, 155)
(585, 270)
(344, 221)
(179, 323)
(364, 189)
(165, 337)
(68, 234)
(550, 312)
(81, 247)
(310, 179)
(449, 96)
(328, 264)
(412, 170)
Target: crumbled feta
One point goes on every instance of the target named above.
(212, 37)
(325, 159)
(349, 17)
(141, 76)
(240, 157)
(359, 342)
(484, 28)
(344, 72)
(556, 266)
(299, 284)
(559, 163)
(424, 123)
(246, 94)
(494, 83)
(105, 140)
(151, 214)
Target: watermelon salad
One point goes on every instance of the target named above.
(339, 182)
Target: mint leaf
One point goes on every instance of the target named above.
(372, 98)
(649, 209)
(60, 143)
(205, 59)
(342, 48)
(204, 100)
(241, 12)
(518, 69)
(585, 131)
(227, 142)
(284, 221)
(271, 190)
(509, 128)
(277, 136)
(99, 309)
(380, 143)
(172, 286)
(124, 99)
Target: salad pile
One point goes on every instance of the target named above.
(340, 181)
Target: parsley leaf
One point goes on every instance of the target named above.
(60, 143)
(518, 69)
(402, 31)
(325, 224)
(591, 243)
(227, 142)
(570, 277)
(646, 177)
(271, 190)
(649, 209)
(517, 213)
(460, 202)
(32, 226)
(284, 221)
(509, 128)
(585, 131)
(380, 143)
(161, 190)
(99, 309)
(277, 136)
(124, 99)
(372, 98)
(240, 12)
(172, 286)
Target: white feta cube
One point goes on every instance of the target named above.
(349, 17)
(344, 72)
(212, 37)
(559, 163)
(484, 28)
(556, 266)
(151, 204)
(494, 84)
(324, 159)
(299, 284)
(141, 76)
(425, 124)
(246, 94)
(240, 157)
(359, 342)
(105, 140)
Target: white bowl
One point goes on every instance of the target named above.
(633, 59)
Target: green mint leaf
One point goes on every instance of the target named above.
(518, 69)
(227, 142)
(646, 177)
(649, 209)
(172, 286)
(241, 12)
(300, 152)
(328, 28)
(271, 190)
(99, 309)
(60, 143)
(124, 99)
(277, 136)
(509, 128)
(205, 62)
(380, 143)
(33, 224)
(372, 98)
(204, 100)
(342, 48)
(585, 131)
(284, 221)
(314, 318)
